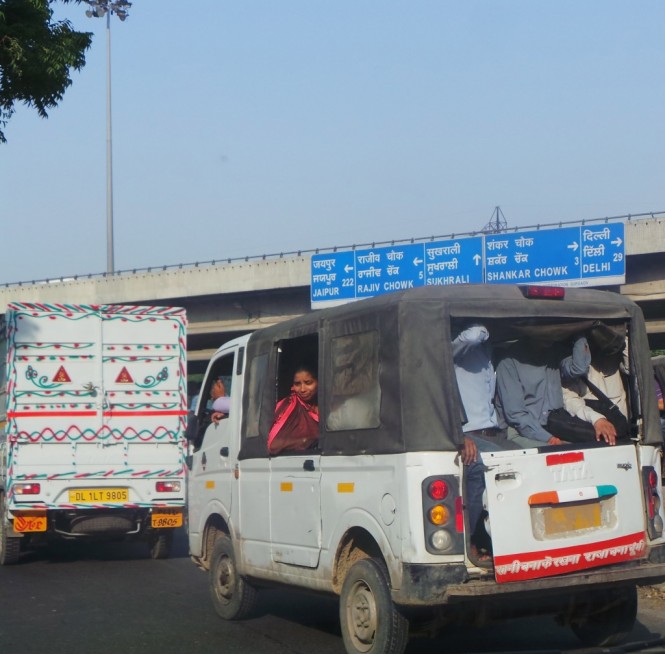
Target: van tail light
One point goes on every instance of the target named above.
(459, 515)
(443, 515)
(544, 292)
(438, 489)
(652, 501)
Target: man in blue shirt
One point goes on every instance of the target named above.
(472, 356)
(529, 386)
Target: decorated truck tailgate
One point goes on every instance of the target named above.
(563, 511)
(96, 408)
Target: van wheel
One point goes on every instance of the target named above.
(10, 548)
(371, 623)
(232, 596)
(160, 542)
(603, 619)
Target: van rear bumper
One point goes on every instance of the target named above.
(433, 585)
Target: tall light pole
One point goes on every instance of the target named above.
(99, 9)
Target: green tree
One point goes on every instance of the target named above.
(36, 56)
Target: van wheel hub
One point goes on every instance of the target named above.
(363, 615)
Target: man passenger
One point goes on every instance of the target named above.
(528, 382)
(472, 356)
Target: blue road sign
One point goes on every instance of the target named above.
(602, 253)
(383, 270)
(333, 277)
(569, 256)
(532, 257)
(342, 276)
(454, 262)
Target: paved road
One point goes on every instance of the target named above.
(113, 599)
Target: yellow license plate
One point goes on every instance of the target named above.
(162, 518)
(93, 495)
(29, 522)
(574, 517)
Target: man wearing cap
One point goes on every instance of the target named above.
(605, 375)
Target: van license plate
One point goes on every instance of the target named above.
(30, 522)
(92, 495)
(571, 518)
(162, 518)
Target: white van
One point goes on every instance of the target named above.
(375, 512)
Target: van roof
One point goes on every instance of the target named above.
(410, 362)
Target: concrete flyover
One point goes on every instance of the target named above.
(226, 299)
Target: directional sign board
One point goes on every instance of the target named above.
(454, 262)
(602, 254)
(342, 276)
(570, 256)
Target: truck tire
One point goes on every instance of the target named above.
(233, 597)
(10, 548)
(605, 618)
(371, 623)
(160, 542)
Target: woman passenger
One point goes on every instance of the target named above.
(296, 423)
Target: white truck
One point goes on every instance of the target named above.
(375, 512)
(93, 408)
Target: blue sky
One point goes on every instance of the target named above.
(251, 127)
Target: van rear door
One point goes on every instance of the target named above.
(565, 510)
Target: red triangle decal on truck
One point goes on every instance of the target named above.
(124, 377)
(61, 376)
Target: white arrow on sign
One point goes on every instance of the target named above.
(617, 241)
(417, 261)
(573, 246)
(348, 269)
(477, 258)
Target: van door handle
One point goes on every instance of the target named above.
(224, 451)
(308, 465)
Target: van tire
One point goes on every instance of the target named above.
(10, 548)
(371, 623)
(160, 542)
(605, 618)
(233, 597)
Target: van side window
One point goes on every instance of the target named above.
(222, 370)
(355, 396)
(257, 373)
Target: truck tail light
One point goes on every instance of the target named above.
(652, 501)
(167, 486)
(442, 515)
(27, 489)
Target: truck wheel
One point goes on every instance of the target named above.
(232, 596)
(371, 623)
(603, 619)
(10, 548)
(160, 542)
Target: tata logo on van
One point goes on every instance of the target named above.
(571, 472)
